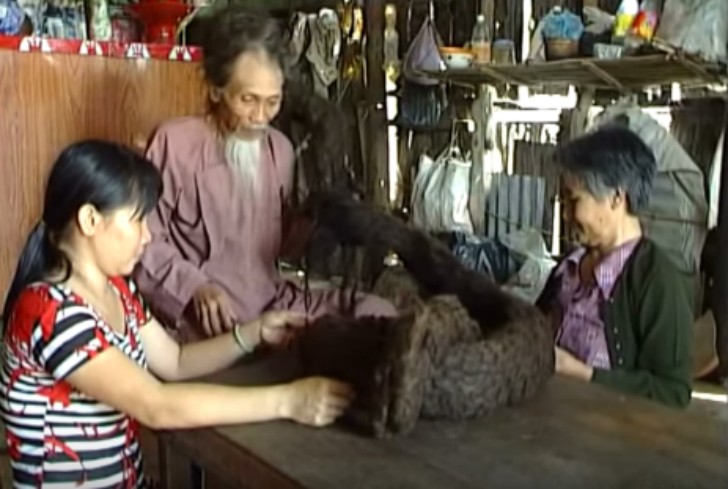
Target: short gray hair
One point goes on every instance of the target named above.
(610, 159)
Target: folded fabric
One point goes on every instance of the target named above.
(485, 255)
(11, 17)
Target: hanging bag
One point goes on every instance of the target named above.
(454, 192)
(442, 189)
(422, 99)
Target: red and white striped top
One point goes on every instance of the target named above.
(58, 437)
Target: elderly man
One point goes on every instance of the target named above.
(217, 230)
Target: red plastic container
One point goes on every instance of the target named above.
(160, 19)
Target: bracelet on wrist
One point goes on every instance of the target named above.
(240, 341)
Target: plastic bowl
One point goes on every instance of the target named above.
(456, 58)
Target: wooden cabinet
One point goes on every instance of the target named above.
(48, 101)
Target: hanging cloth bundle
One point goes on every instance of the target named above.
(422, 99)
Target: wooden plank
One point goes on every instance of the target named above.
(503, 199)
(580, 115)
(51, 101)
(482, 111)
(515, 202)
(540, 203)
(491, 208)
(572, 435)
(377, 167)
(632, 73)
(603, 75)
(528, 207)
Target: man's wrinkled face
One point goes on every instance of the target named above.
(254, 93)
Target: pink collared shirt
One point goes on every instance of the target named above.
(582, 327)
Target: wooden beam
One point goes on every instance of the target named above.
(603, 75)
(482, 112)
(377, 168)
(698, 70)
(580, 115)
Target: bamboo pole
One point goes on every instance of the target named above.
(377, 168)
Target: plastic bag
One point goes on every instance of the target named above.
(531, 279)
(557, 24)
(455, 195)
(485, 255)
(424, 169)
(696, 26)
(561, 24)
(424, 55)
(597, 20)
(422, 99)
(421, 106)
(441, 193)
(431, 197)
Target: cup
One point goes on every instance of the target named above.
(504, 52)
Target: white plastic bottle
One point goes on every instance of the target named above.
(480, 43)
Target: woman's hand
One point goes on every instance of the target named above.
(568, 365)
(316, 401)
(279, 328)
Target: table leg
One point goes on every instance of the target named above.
(197, 477)
(177, 470)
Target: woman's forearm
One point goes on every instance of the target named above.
(181, 406)
(212, 355)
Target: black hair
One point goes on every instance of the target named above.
(609, 159)
(104, 174)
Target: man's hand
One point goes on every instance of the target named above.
(279, 328)
(212, 310)
(568, 365)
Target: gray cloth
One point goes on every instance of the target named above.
(323, 51)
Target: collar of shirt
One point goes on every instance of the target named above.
(606, 272)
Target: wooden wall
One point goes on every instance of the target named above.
(50, 101)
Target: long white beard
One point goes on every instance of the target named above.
(244, 156)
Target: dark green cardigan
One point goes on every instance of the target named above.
(648, 324)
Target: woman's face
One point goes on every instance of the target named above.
(253, 95)
(593, 220)
(119, 241)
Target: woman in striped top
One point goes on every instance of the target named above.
(83, 359)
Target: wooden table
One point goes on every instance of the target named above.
(573, 435)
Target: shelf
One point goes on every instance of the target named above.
(106, 49)
(626, 74)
